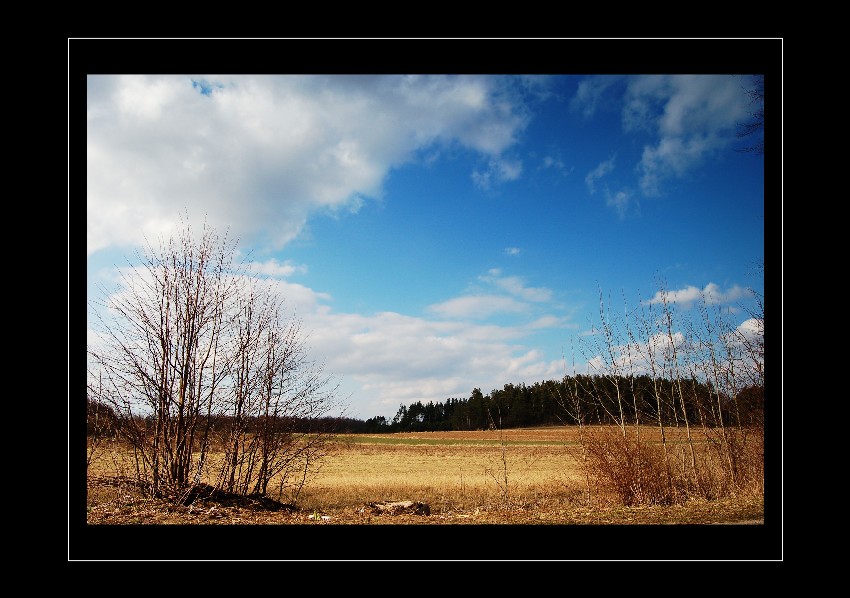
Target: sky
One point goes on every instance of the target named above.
(439, 233)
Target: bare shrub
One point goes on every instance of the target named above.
(702, 381)
(194, 352)
(630, 467)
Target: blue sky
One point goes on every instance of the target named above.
(439, 233)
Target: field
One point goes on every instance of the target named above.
(526, 476)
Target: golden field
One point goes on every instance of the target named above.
(522, 476)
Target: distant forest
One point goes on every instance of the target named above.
(599, 399)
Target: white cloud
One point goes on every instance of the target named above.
(275, 269)
(714, 296)
(481, 179)
(478, 306)
(590, 92)
(508, 170)
(618, 201)
(259, 154)
(550, 162)
(692, 117)
(711, 295)
(752, 328)
(645, 97)
(548, 322)
(512, 250)
(650, 356)
(516, 286)
(683, 296)
(728, 359)
(297, 298)
(671, 157)
(703, 103)
(688, 117)
(388, 358)
(513, 297)
(597, 173)
(499, 170)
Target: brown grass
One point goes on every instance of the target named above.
(462, 484)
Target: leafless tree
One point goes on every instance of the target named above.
(191, 342)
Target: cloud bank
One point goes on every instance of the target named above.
(259, 154)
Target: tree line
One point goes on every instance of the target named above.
(542, 404)
(516, 406)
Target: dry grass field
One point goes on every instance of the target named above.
(527, 476)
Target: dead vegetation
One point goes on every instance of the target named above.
(545, 486)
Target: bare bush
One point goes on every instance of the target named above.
(702, 381)
(194, 352)
(632, 468)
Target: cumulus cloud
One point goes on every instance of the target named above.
(259, 154)
(711, 295)
(512, 250)
(297, 298)
(751, 329)
(390, 358)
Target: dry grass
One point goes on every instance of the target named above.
(490, 478)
